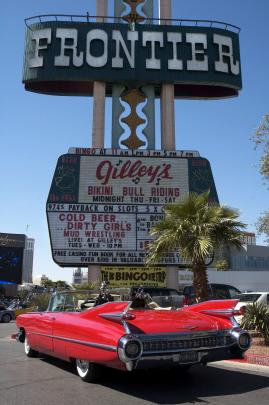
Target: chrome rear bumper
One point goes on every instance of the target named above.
(188, 358)
(162, 350)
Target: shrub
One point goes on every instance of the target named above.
(41, 301)
(257, 318)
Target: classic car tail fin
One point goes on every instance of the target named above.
(113, 311)
(219, 308)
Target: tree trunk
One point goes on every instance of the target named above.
(200, 281)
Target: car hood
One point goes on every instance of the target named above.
(160, 321)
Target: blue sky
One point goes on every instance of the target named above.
(36, 129)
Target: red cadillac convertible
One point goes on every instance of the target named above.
(129, 335)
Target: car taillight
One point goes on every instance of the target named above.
(243, 310)
(186, 301)
(240, 311)
(128, 316)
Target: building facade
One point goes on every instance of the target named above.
(249, 238)
(250, 258)
(248, 269)
(28, 259)
(79, 277)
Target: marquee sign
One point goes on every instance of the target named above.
(102, 203)
(63, 57)
(133, 276)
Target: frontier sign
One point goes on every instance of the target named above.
(194, 58)
(102, 203)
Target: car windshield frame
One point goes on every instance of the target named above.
(75, 300)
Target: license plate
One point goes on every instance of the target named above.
(186, 357)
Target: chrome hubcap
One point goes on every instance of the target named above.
(83, 365)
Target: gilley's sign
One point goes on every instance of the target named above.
(102, 204)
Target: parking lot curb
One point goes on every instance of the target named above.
(255, 359)
(242, 366)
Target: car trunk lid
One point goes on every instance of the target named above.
(158, 321)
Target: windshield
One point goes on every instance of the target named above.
(249, 297)
(76, 300)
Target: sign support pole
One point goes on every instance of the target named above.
(98, 121)
(168, 120)
(99, 92)
(167, 93)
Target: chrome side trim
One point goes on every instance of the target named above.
(234, 322)
(229, 313)
(112, 315)
(79, 342)
(126, 327)
(124, 322)
(221, 312)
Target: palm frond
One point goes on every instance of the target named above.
(195, 228)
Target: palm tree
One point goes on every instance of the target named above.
(195, 227)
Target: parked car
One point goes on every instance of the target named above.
(127, 335)
(6, 315)
(216, 292)
(248, 299)
(20, 308)
(163, 296)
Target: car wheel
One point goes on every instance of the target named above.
(6, 318)
(87, 371)
(28, 350)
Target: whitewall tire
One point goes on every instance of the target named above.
(28, 350)
(87, 371)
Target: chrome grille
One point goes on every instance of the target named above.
(206, 342)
